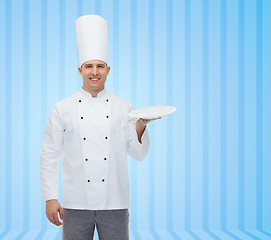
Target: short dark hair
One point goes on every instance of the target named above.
(99, 60)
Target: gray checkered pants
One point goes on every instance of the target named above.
(110, 224)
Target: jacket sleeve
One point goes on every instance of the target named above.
(137, 150)
(50, 154)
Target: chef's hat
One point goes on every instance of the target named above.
(91, 33)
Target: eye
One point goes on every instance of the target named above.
(100, 66)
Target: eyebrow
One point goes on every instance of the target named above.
(99, 64)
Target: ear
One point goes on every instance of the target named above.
(80, 70)
(108, 69)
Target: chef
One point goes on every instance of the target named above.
(93, 132)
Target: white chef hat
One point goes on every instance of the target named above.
(91, 33)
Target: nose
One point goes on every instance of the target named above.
(94, 72)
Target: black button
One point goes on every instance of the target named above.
(104, 158)
(81, 117)
(64, 130)
(84, 138)
(86, 159)
(103, 180)
(88, 180)
(105, 137)
(107, 116)
(79, 100)
(107, 100)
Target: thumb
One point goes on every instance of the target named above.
(61, 213)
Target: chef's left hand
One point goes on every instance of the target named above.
(141, 123)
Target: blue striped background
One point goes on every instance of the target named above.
(207, 173)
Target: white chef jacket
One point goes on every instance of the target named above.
(94, 135)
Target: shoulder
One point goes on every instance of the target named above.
(66, 103)
(119, 100)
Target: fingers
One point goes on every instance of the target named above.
(52, 213)
(141, 122)
(146, 121)
(61, 213)
(156, 118)
(51, 218)
(54, 219)
(149, 120)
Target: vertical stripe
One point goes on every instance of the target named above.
(8, 121)
(250, 114)
(205, 107)
(134, 50)
(191, 32)
(43, 93)
(187, 115)
(223, 116)
(152, 50)
(205, 123)
(152, 90)
(79, 14)
(232, 160)
(3, 129)
(134, 100)
(170, 120)
(62, 68)
(223, 92)
(26, 165)
(116, 46)
(62, 44)
(259, 115)
(79, 8)
(266, 90)
(214, 115)
(3, 81)
(98, 7)
(241, 117)
(44, 62)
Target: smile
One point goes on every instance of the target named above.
(94, 79)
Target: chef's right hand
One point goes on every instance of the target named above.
(53, 207)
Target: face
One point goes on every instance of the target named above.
(94, 74)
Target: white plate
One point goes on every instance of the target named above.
(152, 112)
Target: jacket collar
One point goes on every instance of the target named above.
(99, 95)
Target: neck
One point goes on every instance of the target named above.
(94, 93)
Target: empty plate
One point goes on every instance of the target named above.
(152, 112)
